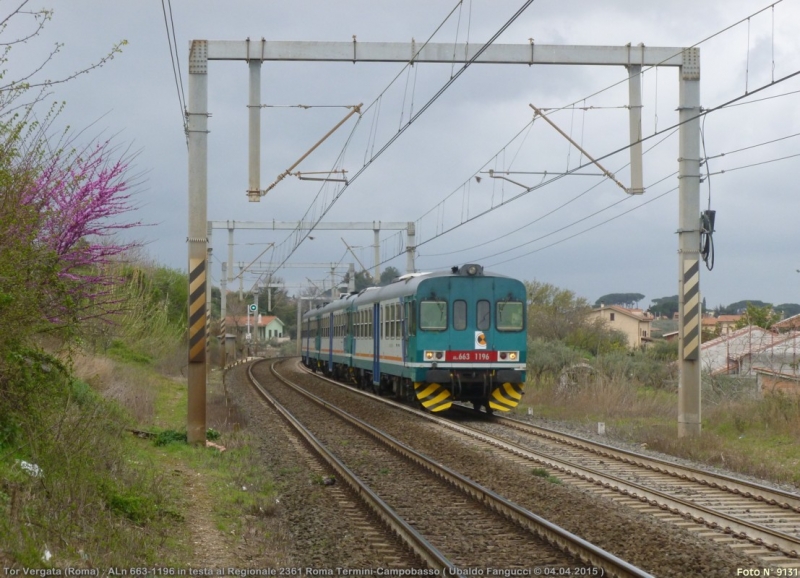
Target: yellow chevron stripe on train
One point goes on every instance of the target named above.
(434, 338)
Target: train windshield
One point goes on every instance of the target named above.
(433, 315)
(509, 316)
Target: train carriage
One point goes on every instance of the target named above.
(440, 337)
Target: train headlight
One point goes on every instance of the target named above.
(512, 356)
(508, 355)
(471, 270)
(503, 355)
(429, 355)
(439, 355)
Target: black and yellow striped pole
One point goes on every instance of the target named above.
(689, 297)
(197, 140)
(223, 313)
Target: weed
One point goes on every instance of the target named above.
(122, 352)
(544, 474)
(169, 436)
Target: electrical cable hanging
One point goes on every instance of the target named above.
(708, 216)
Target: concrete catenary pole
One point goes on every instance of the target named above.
(254, 126)
(635, 124)
(410, 247)
(197, 119)
(230, 252)
(377, 230)
(689, 244)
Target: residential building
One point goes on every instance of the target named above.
(730, 353)
(722, 325)
(262, 327)
(633, 323)
(788, 324)
(777, 365)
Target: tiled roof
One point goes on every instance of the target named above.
(241, 320)
(788, 323)
(635, 313)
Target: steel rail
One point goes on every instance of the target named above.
(418, 544)
(756, 533)
(544, 529)
(753, 532)
(758, 492)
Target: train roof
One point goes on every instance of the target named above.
(406, 284)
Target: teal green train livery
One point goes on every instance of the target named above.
(441, 337)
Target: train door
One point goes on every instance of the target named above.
(376, 344)
(308, 341)
(330, 343)
(349, 339)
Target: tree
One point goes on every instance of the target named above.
(362, 280)
(553, 313)
(57, 204)
(389, 274)
(629, 300)
(788, 309)
(740, 307)
(664, 306)
(759, 316)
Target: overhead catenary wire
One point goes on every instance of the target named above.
(410, 121)
(437, 207)
(673, 127)
(175, 62)
(704, 112)
(614, 152)
(563, 205)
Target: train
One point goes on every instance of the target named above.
(436, 338)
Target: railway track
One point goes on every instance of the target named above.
(467, 526)
(750, 518)
(740, 509)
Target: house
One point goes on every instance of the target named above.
(769, 381)
(633, 323)
(731, 353)
(722, 325)
(777, 365)
(262, 327)
(788, 324)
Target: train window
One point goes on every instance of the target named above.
(484, 315)
(391, 321)
(370, 319)
(411, 316)
(460, 315)
(398, 328)
(433, 315)
(509, 316)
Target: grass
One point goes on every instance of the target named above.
(108, 498)
(758, 437)
(544, 474)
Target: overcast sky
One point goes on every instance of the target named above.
(470, 129)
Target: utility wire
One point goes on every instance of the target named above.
(586, 230)
(573, 199)
(702, 114)
(607, 155)
(414, 117)
(752, 146)
(572, 105)
(175, 68)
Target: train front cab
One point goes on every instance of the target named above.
(471, 344)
